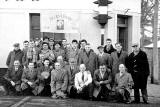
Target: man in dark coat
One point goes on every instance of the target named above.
(89, 58)
(102, 79)
(72, 69)
(30, 80)
(12, 80)
(118, 57)
(108, 48)
(138, 66)
(16, 54)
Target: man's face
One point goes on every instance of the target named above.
(102, 68)
(16, 64)
(45, 46)
(16, 48)
(135, 48)
(100, 50)
(108, 43)
(83, 44)
(31, 44)
(87, 48)
(26, 44)
(57, 66)
(51, 42)
(31, 66)
(122, 68)
(82, 68)
(64, 42)
(118, 47)
(72, 62)
(46, 63)
(74, 44)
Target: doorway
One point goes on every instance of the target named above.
(122, 31)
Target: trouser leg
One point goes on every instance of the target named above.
(73, 92)
(136, 95)
(144, 94)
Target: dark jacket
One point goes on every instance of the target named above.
(110, 50)
(138, 66)
(14, 55)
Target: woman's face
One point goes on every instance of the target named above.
(122, 68)
(45, 46)
(46, 63)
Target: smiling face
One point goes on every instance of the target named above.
(87, 48)
(102, 68)
(46, 63)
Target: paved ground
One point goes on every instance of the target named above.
(10, 101)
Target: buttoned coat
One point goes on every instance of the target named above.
(97, 78)
(14, 56)
(138, 66)
(124, 81)
(91, 61)
(117, 61)
(104, 59)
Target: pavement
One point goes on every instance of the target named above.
(31, 101)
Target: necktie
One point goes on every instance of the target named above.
(83, 77)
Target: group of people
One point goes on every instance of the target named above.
(59, 70)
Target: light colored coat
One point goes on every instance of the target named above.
(123, 82)
(59, 80)
(78, 79)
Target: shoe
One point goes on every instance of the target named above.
(128, 102)
(146, 102)
(135, 102)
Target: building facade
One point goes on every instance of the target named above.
(73, 19)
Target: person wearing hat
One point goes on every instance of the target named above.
(138, 66)
(103, 58)
(58, 51)
(16, 54)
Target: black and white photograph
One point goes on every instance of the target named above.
(79, 53)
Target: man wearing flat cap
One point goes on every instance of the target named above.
(103, 58)
(16, 54)
(138, 66)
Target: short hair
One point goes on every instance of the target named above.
(108, 39)
(46, 59)
(118, 43)
(103, 64)
(83, 40)
(45, 38)
(45, 43)
(26, 41)
(74, 40)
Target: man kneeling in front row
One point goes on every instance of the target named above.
(83, 83)
(102, 80)
(12, 80)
